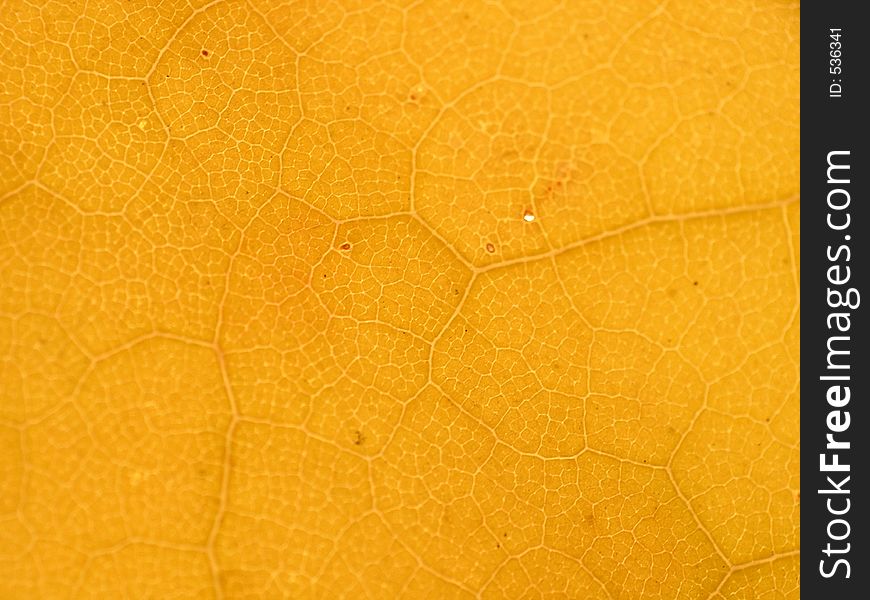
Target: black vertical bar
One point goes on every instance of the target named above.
(834, 367)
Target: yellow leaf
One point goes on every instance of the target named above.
(438, 299)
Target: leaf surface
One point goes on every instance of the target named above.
(399, 299)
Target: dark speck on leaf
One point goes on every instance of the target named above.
(205, 52)
(345, 246)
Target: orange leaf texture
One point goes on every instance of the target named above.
(418, 299)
